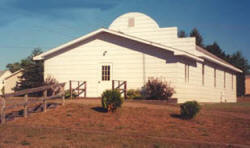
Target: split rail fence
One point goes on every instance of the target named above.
(55, 91)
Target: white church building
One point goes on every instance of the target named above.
(134, 48)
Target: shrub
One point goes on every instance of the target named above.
(67, 94)
(50, 81)
(111, 100)
(190, 109)
(134, 94)
(158, 90)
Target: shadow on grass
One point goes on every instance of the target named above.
(99, 109)
(35, 109)
(178, 116)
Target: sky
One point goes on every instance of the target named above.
(45, 24)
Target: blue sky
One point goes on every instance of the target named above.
(27, 24)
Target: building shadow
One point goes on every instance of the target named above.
(99, 109)
(35, 109)
(178, 116)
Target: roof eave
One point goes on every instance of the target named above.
(224, 65)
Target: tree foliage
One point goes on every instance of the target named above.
(14, 67)
(182, 34)
(32, 71)
(236, 59)
(240, 62)
(199, 39)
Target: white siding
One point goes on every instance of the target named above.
(146, 28)
(136, 62)
(2, 77)
(194, 90)
(82, 63)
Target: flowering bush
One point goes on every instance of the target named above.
(158, 90)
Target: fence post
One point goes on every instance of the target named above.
(70, 88)
(26, 106)
(3, 111)
(113, 84)
(78, 91)
(63, 96)
(44, 100)
(85, 89)
(125, 89)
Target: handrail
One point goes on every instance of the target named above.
(78, 88)
(120, 83)
(32, 90)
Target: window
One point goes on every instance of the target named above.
(105, 73)
(224, 79)
(203, 74)
(131, 22)
(214, 77)
(186, 73)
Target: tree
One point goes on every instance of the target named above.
(14, 67)
(199, 39)
(216, 50)
(239, 61)
(182, 34)
(32, 71)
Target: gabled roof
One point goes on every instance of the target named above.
(13, 74)
(202, 53)
(171, 49)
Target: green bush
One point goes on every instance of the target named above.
(111, 100)
(67, 94)
(134, 94)
(158, 90)
(190, 109)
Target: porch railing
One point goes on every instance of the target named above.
(121, 86)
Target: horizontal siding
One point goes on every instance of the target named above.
(146, 28)
(82, 63)
(195, 90)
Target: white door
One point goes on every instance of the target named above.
(105, 77)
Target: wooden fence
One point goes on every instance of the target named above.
(57, 90)
(81, 87)
(121, 86)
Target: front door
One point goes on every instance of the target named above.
(105, 77)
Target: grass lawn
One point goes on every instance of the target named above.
(79, 124)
